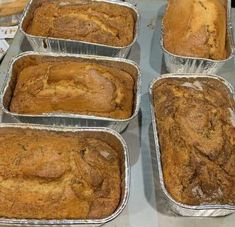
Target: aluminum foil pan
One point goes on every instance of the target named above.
(49, 44)
(112, 138)
(66, 118)
(11, 11)
(10, 20)
(177, 207)
(181, 64)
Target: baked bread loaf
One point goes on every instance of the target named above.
(196, 28)
(96, 22)
(196, 125)
(51, 175)
(73, 87)
(12, 7)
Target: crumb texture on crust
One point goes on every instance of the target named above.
(49, 175)
(196, 28)
(12, 7)
(96, 22)
(73, 87)
(196, 126)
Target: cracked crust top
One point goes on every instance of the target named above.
(196, 126)
(196, 28)
(73, 87)
(96, 22)
(51, 175)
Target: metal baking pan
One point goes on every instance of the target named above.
(49, 44)
(14, 15)
(112, 138)
(66, 118)
(10, 20)
(177, 207)
(182, 64)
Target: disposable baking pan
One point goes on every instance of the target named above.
(182, 64)
(112, 138)
(10, 20)
(13, 17)
(66, 118)
(177, 207)
(50, 44)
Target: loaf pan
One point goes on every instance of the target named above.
(175, 206)
(68, 119)
(49, 44)
(14, 16)
(182, 64)
(10, 20)
(112, 138)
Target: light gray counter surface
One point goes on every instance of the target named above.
(147, 206)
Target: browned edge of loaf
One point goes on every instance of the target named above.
(186, 198)
(24, 61)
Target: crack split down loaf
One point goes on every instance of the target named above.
(84, 20)
(59, 175)
(72, 86)
(196, 28)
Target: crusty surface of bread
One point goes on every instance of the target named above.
(12, 7)
(51, 175)
(196, 126)
(74, 87)
(196, 28)
(96, 22)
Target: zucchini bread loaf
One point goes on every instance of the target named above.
(57, 175)
(196, 28)
(96, 22)
(196, 125)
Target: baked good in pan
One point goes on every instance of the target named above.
(196, 28)
(196, 126)
(73, 87)
(12, 7)
(57, 175)
(96, 22)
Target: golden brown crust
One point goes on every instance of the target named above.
(74, 87)
(196, 125)
(12, 7)
(195, 28)
(48, 175)
(96, 22)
